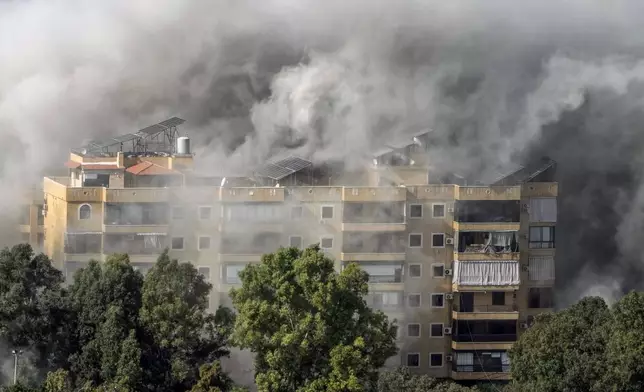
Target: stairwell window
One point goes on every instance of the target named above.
(177, 243)
(436, 360)
(84, 212)
(326, 242)
(438, 210)
(413, 300)
(436, 330)
(438, 270)
(415, 240)
(438, 240)
(327, 212)
(438, 300)
(415, 270)
(295, 241)
(413, 330)
(416, 211)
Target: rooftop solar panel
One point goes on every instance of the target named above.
(172, 122)
(125, 138)
(294, 163)
(274, 172)
(152, 129)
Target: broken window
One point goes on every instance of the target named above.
(481, 211)
(540, 297)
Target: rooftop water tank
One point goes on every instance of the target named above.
(183, 145)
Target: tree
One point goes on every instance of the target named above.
(623, 369)
(57, 381)
(33, 311)
(401, 379)
(309, 326)
(212, 379)
(563, 351)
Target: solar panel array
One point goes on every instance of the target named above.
(284, 168)
(145, 132)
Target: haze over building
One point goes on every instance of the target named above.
(463, 264)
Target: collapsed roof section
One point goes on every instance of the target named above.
(157, 138)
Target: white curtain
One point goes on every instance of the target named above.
(465, 362)
(486, 273)
(151, 242)
(543, 209)
(501, 239)
(541, 268)
(505, 361)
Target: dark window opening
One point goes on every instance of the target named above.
(487, 211)
(498, 298)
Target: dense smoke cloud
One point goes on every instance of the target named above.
(499, 81)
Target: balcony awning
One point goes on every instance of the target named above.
(486, 273)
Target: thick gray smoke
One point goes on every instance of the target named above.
(499, 81)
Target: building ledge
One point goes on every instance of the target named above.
(374, 227)
(475, 346)
(488, 315)
(372, 256)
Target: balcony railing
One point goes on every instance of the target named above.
(475, 338)
(487, 309)
(481, 369)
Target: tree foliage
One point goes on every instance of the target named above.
(112, 329)
(308, 325)
(401, 379)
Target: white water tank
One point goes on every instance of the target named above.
(183, 145)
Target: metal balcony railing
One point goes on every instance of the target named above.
(487, 308)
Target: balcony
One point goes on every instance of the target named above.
(367, 246)
(487, 312)
(137, 195)
(479, 338)
(374, 194)
(478, 372)
(248, 245)
(487, 345)
(241, 195)
(486, 275)
(373, 217)
(489, 193)
(136, 218)
(494, 213)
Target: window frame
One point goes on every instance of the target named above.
(438, 265)
(407, 360)
(541, 242)
(327, 237)
(183, 243)
(199, 237)
(444, 210)
(210, 216)
(422, 212)
(444, 238)
(207, 277)
(442, 335)
(442, 355)
(420, 331)
(322, 207)
(409, 241)
(290, 238)
(431, 300)
(420, 300)
(90, 211)
(301, 208)
(496, 294)
(420, 270)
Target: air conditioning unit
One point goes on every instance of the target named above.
(449, 241)
(450, 209)
(524, 325)
(447, 330)
(525, 207)
(449, 358)
(448, 272)
(524, 267)
(449, 296)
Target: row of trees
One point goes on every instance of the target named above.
(308, 325)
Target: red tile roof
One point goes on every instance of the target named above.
(147, 168)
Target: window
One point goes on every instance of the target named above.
(438, 240)
(40, 238)
(205, 271)
(413, 300)
(413, 360)
(540, 297)
(327, 212)
(178, 213)
(415, 240)
(326, 242)
(205, 213)
(542, 237)
(438, 210)
(415, 270)
(177, 243)
(543, 209)
(231, 273)
(416, 211)
(498, 298)
(84, 212)
(541, 268)
(383, 272)
(413, 330)
(295, 241)
(438, 270)
(204, 242)
(297, 212)
(436, 360)
(386, 299)
(438, 300)
(436, 330)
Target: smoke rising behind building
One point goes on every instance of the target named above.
(497, 81)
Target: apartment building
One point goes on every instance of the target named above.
(462, 268)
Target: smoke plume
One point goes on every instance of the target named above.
(498, 81)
